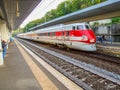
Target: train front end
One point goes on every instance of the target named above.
(87, 38)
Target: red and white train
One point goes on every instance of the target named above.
(77, 36)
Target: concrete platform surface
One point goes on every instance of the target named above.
(112, 49)
(23, 72)
(15, 73)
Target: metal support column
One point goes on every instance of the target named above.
(1, 56)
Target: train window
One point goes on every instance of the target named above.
(73, 27)
(80, 27)
(39, 34)
(67, 33)
(48, 34)
(63, 33)
(53, 33)
(87, 27)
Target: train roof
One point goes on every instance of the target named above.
(47, 29)
(74, 24)
(53, 28)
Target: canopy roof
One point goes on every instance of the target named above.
(14, 12)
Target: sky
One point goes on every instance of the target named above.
(43, 7)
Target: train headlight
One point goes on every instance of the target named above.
(84, 38)
(92, 40)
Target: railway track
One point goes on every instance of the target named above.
(86, 75)
(107, 62)
(101, 56)
(96, 54)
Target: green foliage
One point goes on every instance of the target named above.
(76, 5)
(63, 8)
(115, 20)
(95, 24)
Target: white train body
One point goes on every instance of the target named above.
(77, 36)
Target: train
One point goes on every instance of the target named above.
(76, 36)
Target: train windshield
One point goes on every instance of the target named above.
(87, 26)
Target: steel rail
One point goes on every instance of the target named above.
(91, 68)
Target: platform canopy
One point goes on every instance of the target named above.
(14, 12)
(104, 10)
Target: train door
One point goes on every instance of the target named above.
(58, 37)
(63, 36)
(67, 35)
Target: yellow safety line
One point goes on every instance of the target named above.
(43, 80)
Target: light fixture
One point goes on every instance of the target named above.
(17, 14)
(17, 10)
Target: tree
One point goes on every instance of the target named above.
(115, 20)
(95, 24)
(76, 5)
(63, 8)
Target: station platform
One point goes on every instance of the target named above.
(109, 48)
(22, 72)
